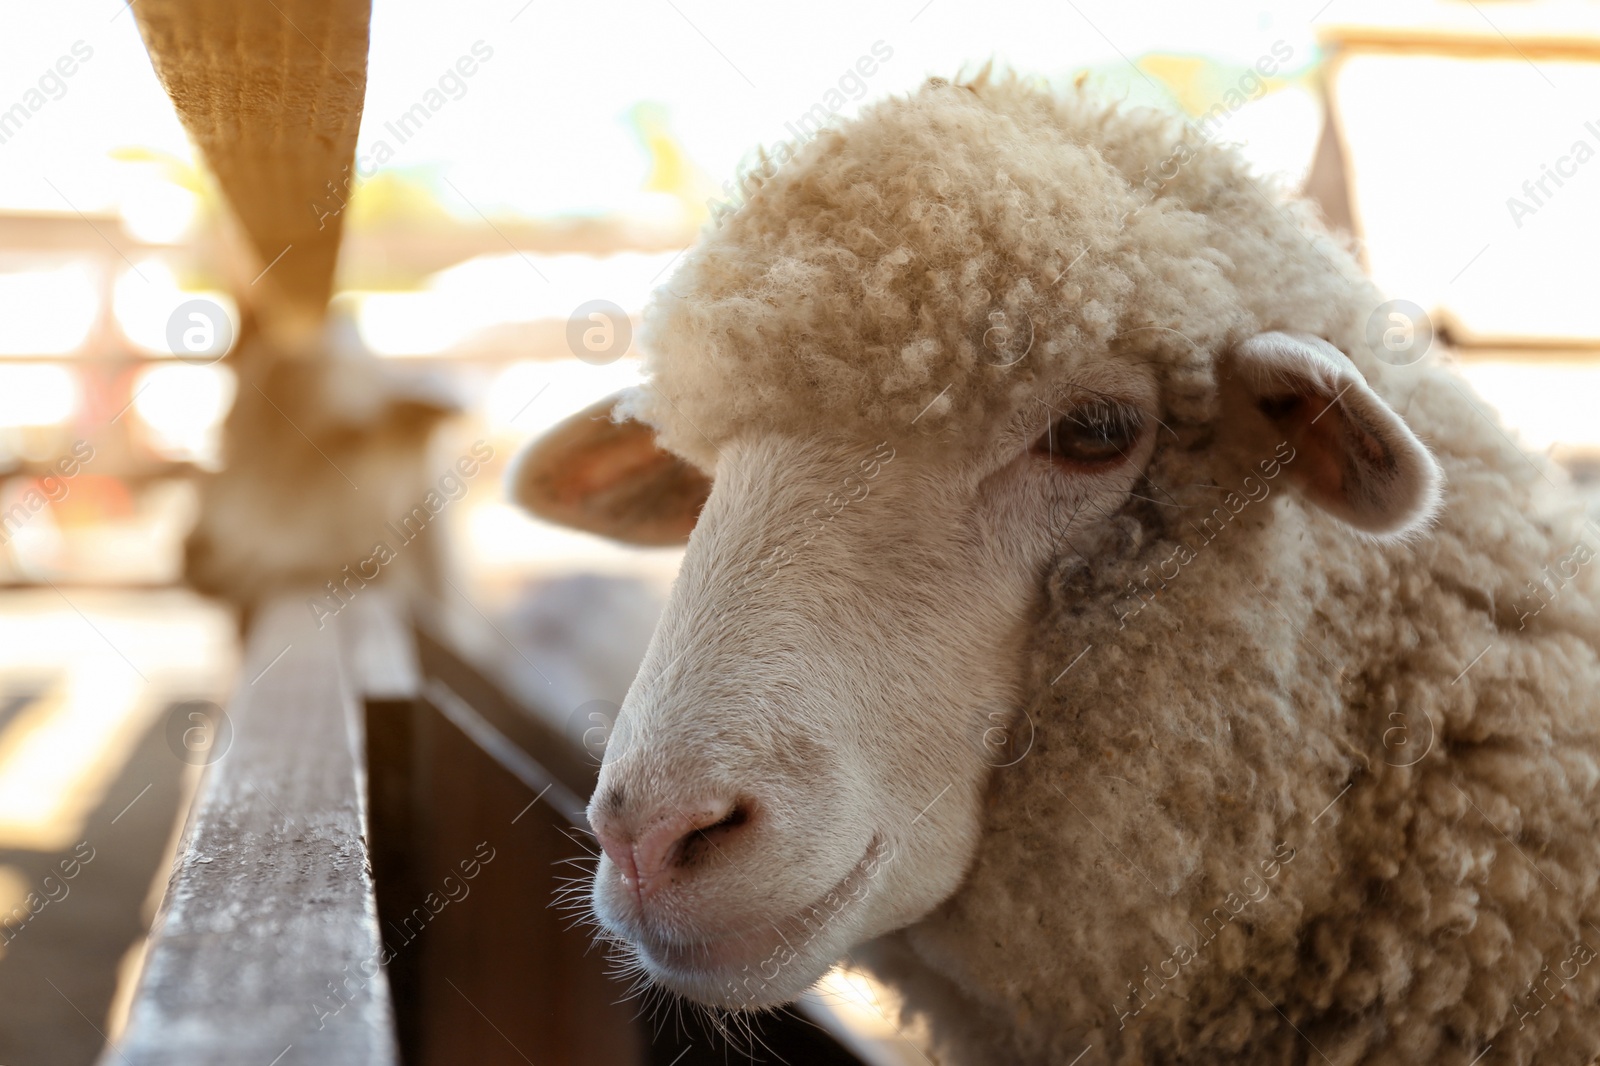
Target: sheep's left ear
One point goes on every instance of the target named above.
(600, 475)
(1354, 456)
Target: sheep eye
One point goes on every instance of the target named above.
(1277, 407)
(1094, 435)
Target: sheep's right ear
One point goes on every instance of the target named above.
(609, 477)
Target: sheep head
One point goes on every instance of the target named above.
(877, 483)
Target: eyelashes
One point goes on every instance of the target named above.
(1093, 436)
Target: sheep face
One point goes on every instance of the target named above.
(802, 755)
(800, 763)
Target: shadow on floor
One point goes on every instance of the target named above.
(59, 970)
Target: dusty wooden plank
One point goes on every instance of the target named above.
(268, 938)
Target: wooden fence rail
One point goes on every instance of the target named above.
(367, 875)
(271, 895)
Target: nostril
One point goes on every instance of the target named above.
(736, 817)
(707, 838)
(677, 838)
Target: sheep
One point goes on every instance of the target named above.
(1081, 627)
(321, 453)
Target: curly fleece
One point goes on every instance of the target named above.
(1322, 797)
(859, 281)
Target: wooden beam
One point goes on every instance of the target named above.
(268, 939)
(1554, 31)
(272, 93)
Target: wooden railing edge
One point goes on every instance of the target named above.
(267, 940)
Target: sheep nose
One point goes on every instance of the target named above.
(648, 849)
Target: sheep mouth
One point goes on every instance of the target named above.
(752, 958)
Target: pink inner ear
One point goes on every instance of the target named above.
(626, 487)
(1377, 477)
(625, 457)
(611, 478)
(1354, 456)
(1318, 445)
(1332, 441)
